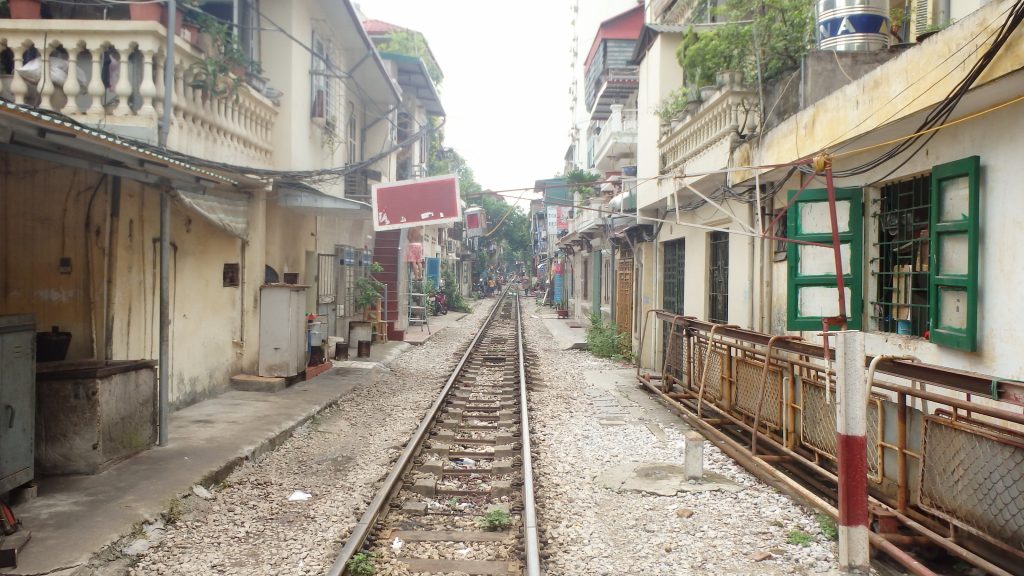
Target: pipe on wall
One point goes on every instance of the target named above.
(113, 220)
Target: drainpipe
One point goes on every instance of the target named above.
(108, 297)
(165, 231)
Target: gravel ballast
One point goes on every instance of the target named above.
(592, 530)
(250, 526)
(339, 458)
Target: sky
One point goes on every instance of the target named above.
(507, 74)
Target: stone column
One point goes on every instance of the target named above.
(148, 88)
(95, 88)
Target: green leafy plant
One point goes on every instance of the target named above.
(799, 538)
(771, 34)
(368, 290)
(675, 103)
(451, 293)
(495, 520)
(175, 511)
(604, 339)
(827, 524)
(217, 73)
(361, 565)
(582, 182)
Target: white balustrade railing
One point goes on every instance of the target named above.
(109, 73)
(621, 126)
(725, 114)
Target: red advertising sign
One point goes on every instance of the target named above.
(410, 203)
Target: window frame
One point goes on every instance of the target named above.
(967, 338)
(854, 236)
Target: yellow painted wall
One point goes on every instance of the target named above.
(43, 217)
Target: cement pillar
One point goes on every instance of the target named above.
(693, 457)
(851, 451)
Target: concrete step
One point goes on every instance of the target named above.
(253, 383)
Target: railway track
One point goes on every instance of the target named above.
(460, 496)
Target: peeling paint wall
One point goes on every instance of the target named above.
(45, 215)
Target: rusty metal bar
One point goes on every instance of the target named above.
(772, 477)
(1009, 391)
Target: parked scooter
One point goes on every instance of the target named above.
(440, 304)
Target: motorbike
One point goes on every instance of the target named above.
(440, 304)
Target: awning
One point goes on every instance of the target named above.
(306, 199)
(228, 211)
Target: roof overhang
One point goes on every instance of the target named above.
(308, 200)
(369, 70)
(414, 79)
(53, 138)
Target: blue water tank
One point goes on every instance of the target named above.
(853, 25)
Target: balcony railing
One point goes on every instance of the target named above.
(110, 74)
(724, 115)
(589, 216)
(618, 136)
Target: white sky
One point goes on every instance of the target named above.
(506, 77)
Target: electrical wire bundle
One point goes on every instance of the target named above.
(938, 115)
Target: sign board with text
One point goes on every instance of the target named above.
(420, 202)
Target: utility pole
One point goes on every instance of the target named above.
(165, 230)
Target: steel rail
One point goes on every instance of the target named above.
(394, 479)
(530, 537)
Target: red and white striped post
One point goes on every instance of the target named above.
(851, 451)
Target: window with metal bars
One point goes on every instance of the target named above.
(718, 294)
(901, 274)
(674, 267)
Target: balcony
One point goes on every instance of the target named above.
(616, 145)
(589, 217)
(127, 100)
(703, 140)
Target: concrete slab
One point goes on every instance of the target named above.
(661, 478)
(565, 336)
(253, 383)
(75, 516)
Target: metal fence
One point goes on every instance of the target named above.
(936, 454)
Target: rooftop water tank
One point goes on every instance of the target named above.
(853, 25)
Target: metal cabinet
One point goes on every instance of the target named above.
(282, 330)
(17, 400)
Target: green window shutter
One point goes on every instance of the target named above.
(953, 243)
(595, 294)
(812, 290)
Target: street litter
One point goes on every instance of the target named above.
(397, 544)
(299, 496)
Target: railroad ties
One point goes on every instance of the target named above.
(459, 504)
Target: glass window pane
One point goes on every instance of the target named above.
(819, 261)
(953, 253)
(952, 307)
(954, 199)
(814, 217)
(821, 301)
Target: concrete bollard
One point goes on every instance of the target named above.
(693, 457)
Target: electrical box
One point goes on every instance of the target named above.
(282, 330)
(17, 400)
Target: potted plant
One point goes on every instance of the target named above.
(211, 76)
(367, 296)
(24, 9)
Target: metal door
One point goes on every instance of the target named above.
(326, 296)
(17, 401)
(624, 295)
(718, 292)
